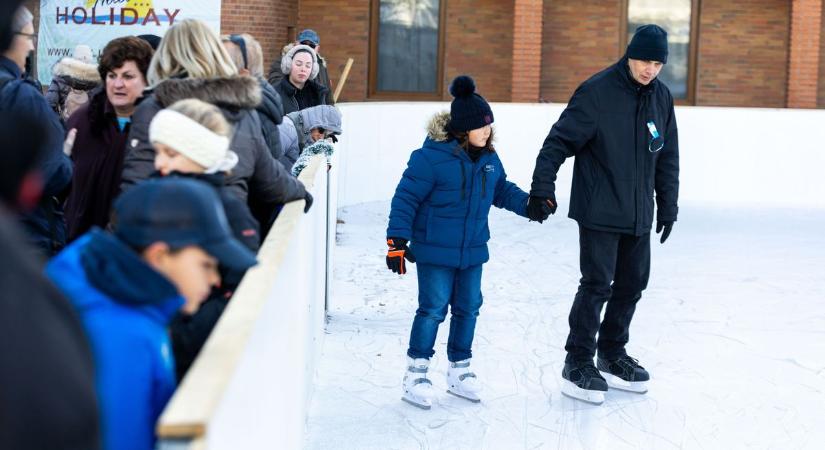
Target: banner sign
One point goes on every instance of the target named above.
(65, 24)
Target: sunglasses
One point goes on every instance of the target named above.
(309, 43)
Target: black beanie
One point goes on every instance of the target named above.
(469, 110)
(648, 44)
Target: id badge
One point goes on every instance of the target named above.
(652, 128)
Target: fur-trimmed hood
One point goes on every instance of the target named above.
(239, 92)
(76, 69)
(437, 126)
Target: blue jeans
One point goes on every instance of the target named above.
(438, 287)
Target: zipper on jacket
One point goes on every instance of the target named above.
(483, 183)
(463, 179)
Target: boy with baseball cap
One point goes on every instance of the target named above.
(169, 236)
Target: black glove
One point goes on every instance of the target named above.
(308, 199)
(539, 208)
(667, 225)
(396, 253)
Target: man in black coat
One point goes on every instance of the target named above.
(620, 126)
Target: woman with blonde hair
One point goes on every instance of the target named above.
(191, 62)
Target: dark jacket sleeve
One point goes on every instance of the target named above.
(139, 161)
(575, 127)
(271, 182)
(323, 79)
(57, 90)
(56, 167)
(416, 184)
(667, 172)
(509, 196)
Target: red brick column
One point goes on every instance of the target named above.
(803, 66)
(526, 68)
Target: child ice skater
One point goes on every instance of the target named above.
(441, 206)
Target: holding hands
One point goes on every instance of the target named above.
(539, 209)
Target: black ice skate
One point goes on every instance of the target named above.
(583, 382)
(624, 373)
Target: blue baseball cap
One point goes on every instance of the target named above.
(179, 212)
(309, 35)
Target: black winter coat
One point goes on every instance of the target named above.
(318, 93)
(47, 375)
(616, 172)
(189, 332)
(271, 112)
(98, 162)
(258, 176)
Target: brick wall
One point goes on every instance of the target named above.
(803, 65)
(479, 42)
(743, 53)
(579, 39)
(266, 20)
(344, 28)
(821, 91)
(526, 69)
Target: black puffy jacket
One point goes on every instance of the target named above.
(617, 170)
(257, 177)
(318, 93)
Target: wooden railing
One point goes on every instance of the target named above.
(252, 380)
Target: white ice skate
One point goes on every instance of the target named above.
(463, 383)
(418, 390)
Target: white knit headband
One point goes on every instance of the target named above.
(193, 140)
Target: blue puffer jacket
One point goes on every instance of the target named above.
(125, 307)
(443, 199)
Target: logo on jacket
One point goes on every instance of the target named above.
(489, 168)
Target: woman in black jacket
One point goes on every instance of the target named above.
(299, 90)
(191, 63)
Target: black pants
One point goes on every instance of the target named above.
(615, 268)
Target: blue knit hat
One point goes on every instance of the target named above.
(469, 110)
(648, 44)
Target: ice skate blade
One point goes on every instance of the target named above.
(417, 405)
(569, 389)
(614, 382)
(465, 397)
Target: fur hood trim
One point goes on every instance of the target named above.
(79, 70)
(239, 92)
(437, 126)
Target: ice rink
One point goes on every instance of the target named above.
(731, 328)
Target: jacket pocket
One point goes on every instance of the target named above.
(613, 203)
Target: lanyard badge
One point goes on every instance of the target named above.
(656, 141)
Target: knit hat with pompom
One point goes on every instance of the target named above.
(469, 111)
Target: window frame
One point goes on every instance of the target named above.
(372, 83)
(695, 11)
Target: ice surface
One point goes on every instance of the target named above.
(731, 328)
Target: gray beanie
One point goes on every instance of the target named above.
(21, 17)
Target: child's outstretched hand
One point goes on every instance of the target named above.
(396, 253)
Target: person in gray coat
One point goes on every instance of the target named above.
(176, 75)
(302, 128)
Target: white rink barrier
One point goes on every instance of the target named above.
(250, 385)
(729, 156)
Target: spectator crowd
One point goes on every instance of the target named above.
(134, 194)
